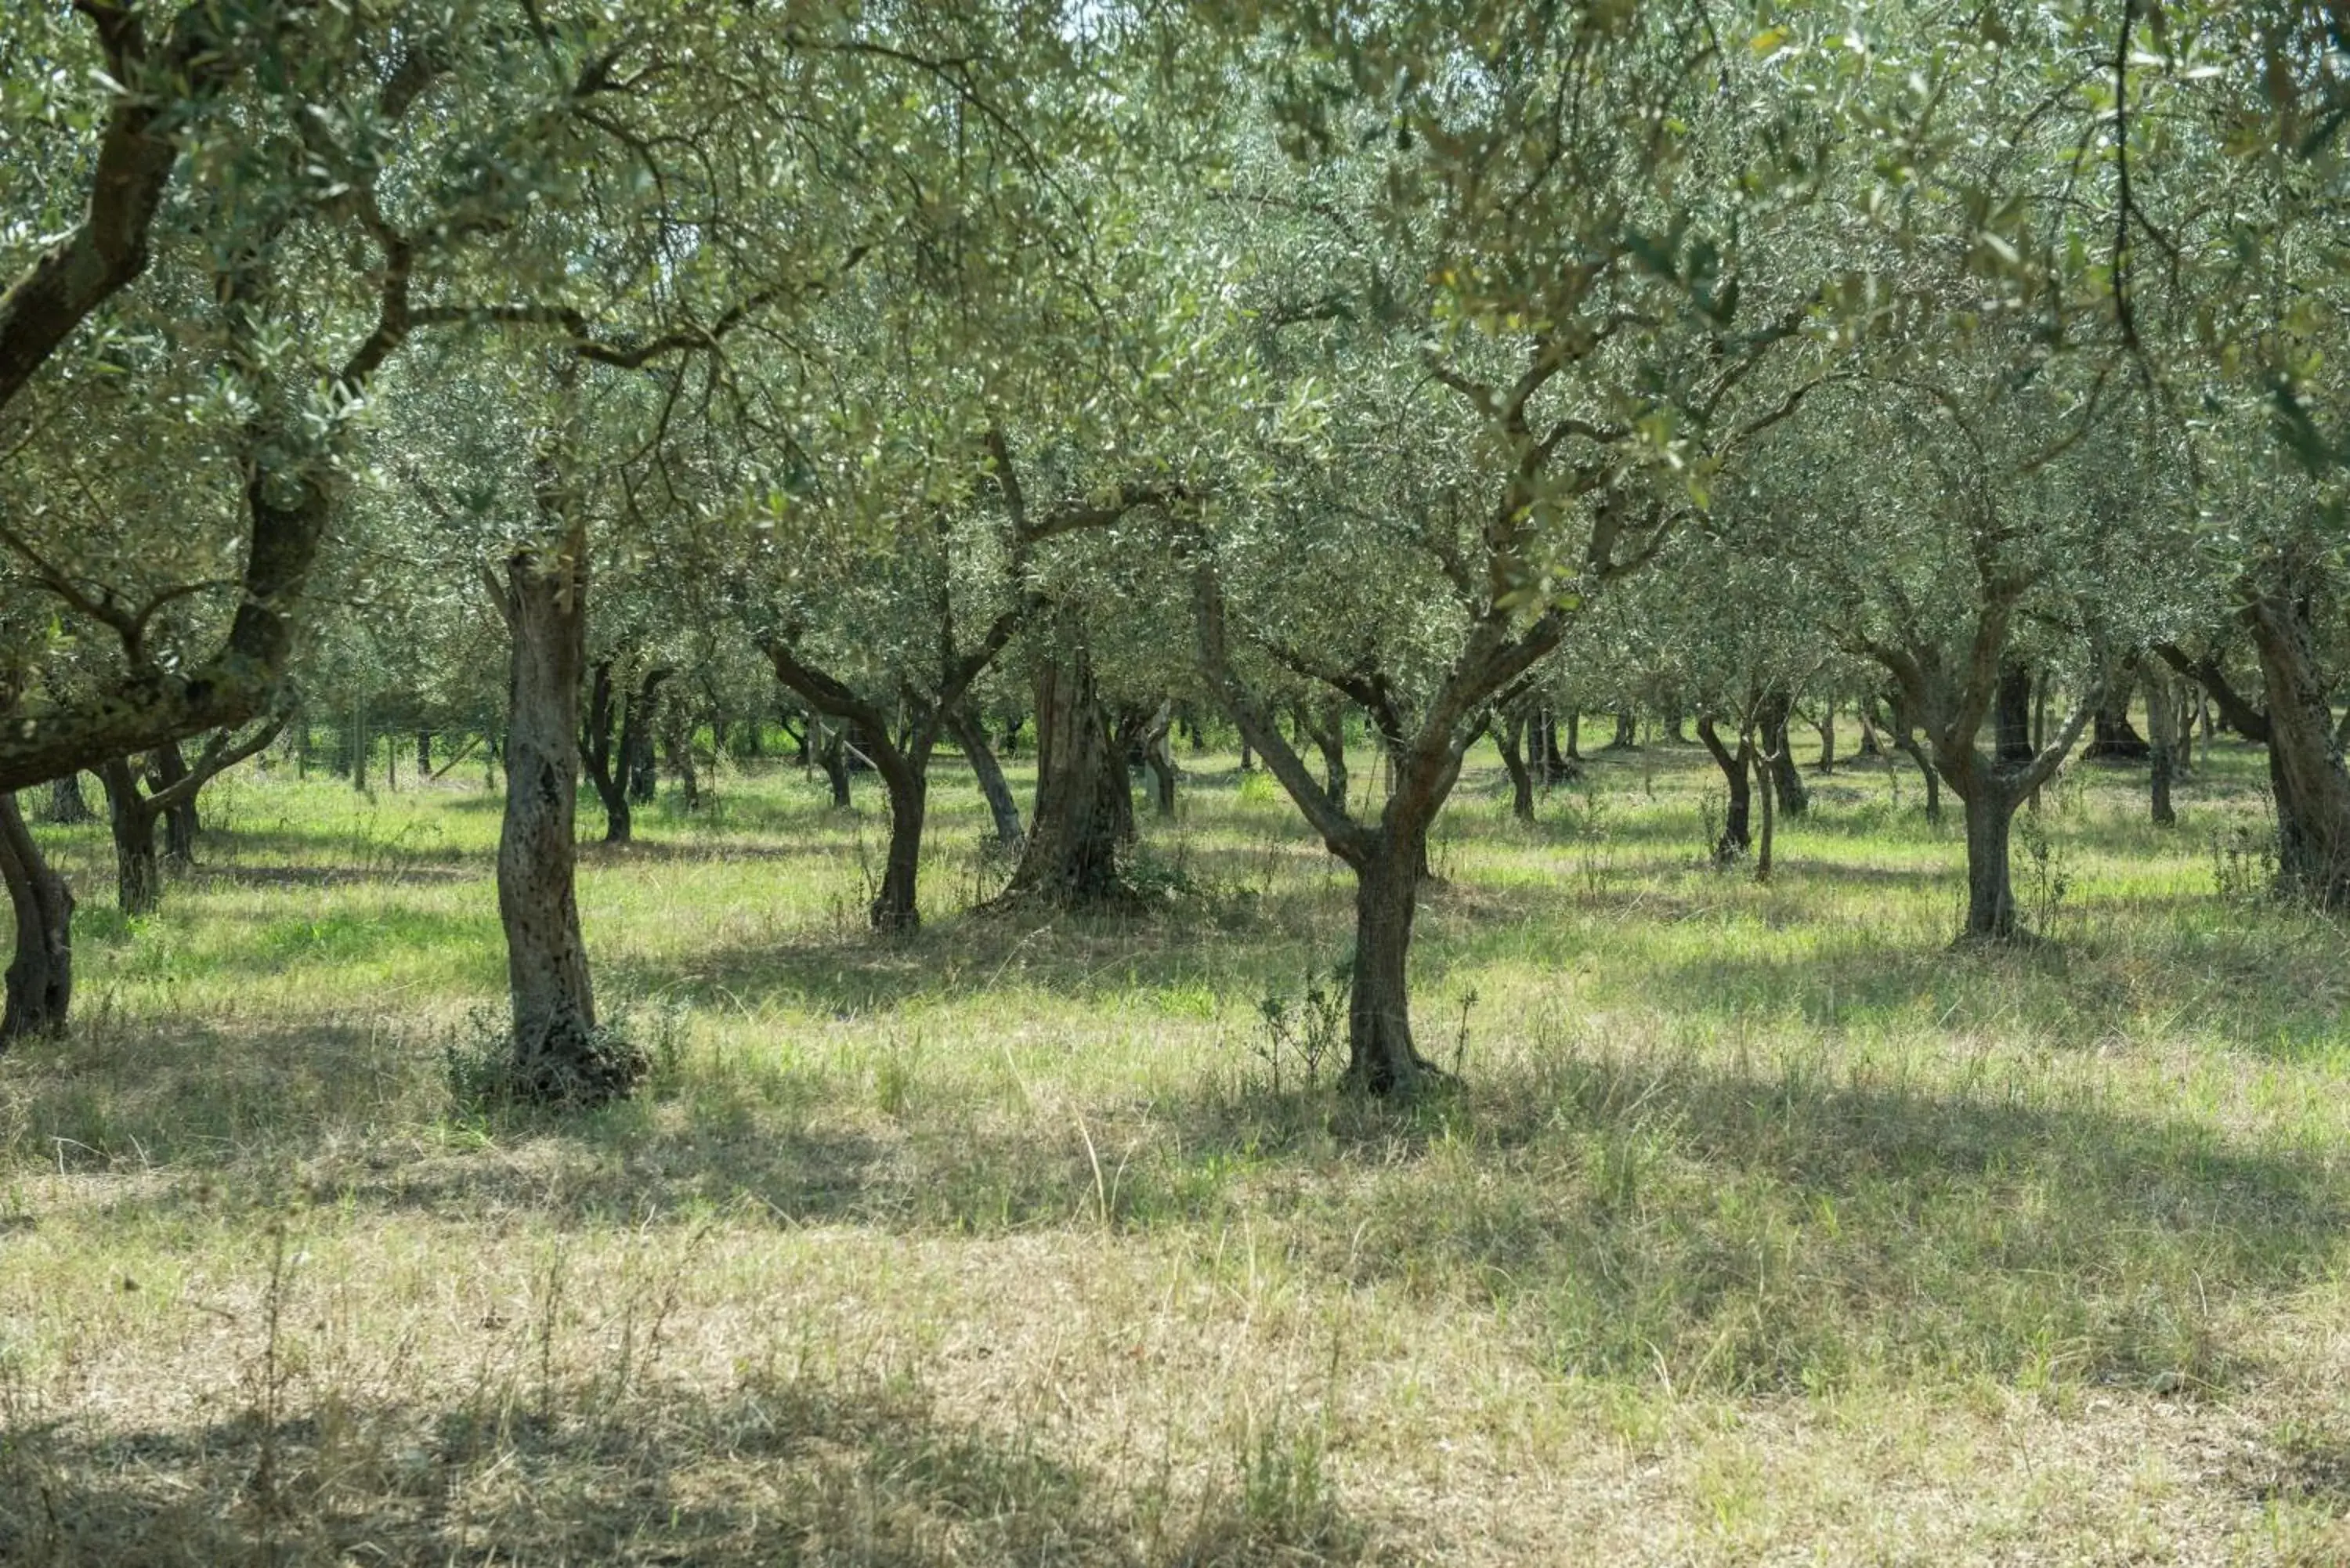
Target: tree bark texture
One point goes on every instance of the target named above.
(1001, 808)
(1990, 895)
(558, 1057)
(1770, 720)
(1509, 735)
(166, 765)
(2305, 762)
(2162, 747)
(1381, 1055)
(2012, 713)
(1070, 858)
(40, 985)
(138, 870)
(1737, 833)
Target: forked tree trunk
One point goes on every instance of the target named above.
(972, 736)
(1508, 735)
(1070, 858)
(67, 807)
(1329, 733)
(558, 1057)
(1737, 833)
(1825, 725)
(138, 873)
(1902, 728)
(40, 975)
(1786, 779)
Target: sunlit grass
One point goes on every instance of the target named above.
(1764, 1224)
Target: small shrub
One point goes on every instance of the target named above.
(1308, 1028)
(2244, 862)
(478, 1070)
(2049, 874)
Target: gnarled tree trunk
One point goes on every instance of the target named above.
(1083, 804)
(558, 1056)
(906, 778)
(1327, 730)
(1786, 779)
(2012, 713)
(40, 974)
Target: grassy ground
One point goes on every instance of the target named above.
(1765, 1230)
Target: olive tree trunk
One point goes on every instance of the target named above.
(558, 1058)
(1381, 1055)
(1786, 779)
(1508, 737)
(1990, 892)
(168, 765)
(1737, 817)
(611, 785)
(138, 871)
(905, 777)
(2305, 762)
(40, 974)
(1083, 801)
(67, 807)
(972, 736)
(2162, 745)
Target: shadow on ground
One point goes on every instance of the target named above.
(780, 1472)
(1789, 1226)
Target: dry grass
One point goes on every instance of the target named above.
(1766, 1230)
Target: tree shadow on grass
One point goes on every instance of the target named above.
(2271, 984)
(1643, 1213)
(1238, 943)
(780, 1470)
(1629, 1214)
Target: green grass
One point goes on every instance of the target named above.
(1764, 1228)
